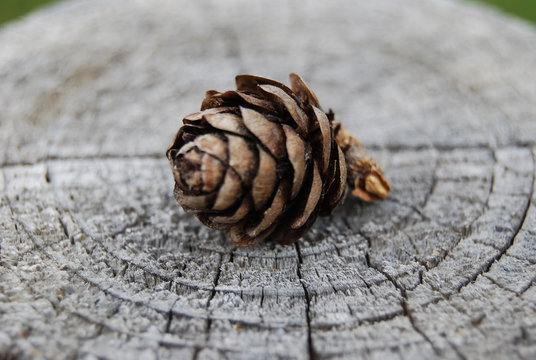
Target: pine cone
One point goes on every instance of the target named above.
(265, 160)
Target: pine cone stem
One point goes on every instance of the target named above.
(365, 176)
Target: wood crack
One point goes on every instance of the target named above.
(499, 285)
(434, 180)
(211, 296)
(404, 304)
(487, 266)
(170, 316)
(456, 349)
(414, 208)
(467, 228)
(310, 347)
(413, 322)
(527, 287)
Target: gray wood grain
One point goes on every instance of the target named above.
(98, 261)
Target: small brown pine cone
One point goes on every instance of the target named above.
(264, 161)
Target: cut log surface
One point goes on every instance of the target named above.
(97, 260)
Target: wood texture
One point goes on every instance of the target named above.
(98, 261)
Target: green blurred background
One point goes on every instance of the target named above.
(12, 9)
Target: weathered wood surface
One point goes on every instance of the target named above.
(98, 261)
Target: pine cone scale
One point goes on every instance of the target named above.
(242, 211)
(257, 103)
(252, 83)
(281, 97)
(227, 122)
(213, 144)
(296, 155)
(195, 117)
(186, 164)
(230, 191)
(303, 91)
(243, 158)
(268, 133)
(313, 196)
(212, 173)
(271, 214)
(265, 181)
(194, 203)
(337, 189)
(327, 141)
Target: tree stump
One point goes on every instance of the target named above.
(98, 261)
